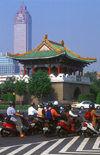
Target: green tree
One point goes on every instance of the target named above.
(91, 75)
(39, 84)
(20, 87)
(98, 98)
(8, 85)
(86, 97)
(95, 87)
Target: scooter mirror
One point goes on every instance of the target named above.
(18, 111)
(80, 112)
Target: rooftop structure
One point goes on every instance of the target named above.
(53, 58)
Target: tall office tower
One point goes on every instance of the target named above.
(8, 66)
(22, 31)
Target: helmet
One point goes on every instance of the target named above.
(92, 105)
(61, 108)
(68, 107)
(55, 102)
(32, 104)
(11, 103)
(49, 104)
(41, 105)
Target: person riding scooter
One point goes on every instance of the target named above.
(41, 111)
(70, 116)
(32, 111)
(11, 116)
(94, 115)
(54, 112)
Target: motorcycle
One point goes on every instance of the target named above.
(88, 129)
(37, 124)
(9, 128)
(49, 128)
(64, 128)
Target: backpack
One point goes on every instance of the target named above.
(48, 116)
(88, 115)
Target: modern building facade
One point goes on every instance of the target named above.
(8, 66)
(22, 31)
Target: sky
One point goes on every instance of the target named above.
(77, 22)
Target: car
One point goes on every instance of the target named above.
(84, 105)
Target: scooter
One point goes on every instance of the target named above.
(9, 127)
(37, 124)
(49, 128)
(64, 128)
(88, 129)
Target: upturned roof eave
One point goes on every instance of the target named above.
(63, 53)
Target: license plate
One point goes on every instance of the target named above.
(58, 127)
(33, 124)
(84, 128)
(45, 128)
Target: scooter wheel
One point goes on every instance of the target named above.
(46, 134)
(61, 133)
(5, 133)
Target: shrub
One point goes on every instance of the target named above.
(86, 97)
(98, 98)
(8, 97)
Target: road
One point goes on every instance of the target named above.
(40, 145)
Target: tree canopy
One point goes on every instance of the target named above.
(39, 84)
(20, 87)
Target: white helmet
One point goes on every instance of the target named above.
(55, 102)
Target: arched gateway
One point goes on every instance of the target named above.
(56, 59)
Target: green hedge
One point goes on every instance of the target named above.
(86, 97)
(98, 98)
(8, 97)
(17, 107)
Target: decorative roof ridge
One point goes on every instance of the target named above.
(78, 56)
(55, 43)
(50, 44)
(22, 54)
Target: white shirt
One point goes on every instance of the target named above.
(32, 111)
(10, 112)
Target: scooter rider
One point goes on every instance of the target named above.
(32, 111)
(41, 111)
(54, 112)
(94, 115)
(11, 116)
(70, 115)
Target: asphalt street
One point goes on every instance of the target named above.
(40, 145)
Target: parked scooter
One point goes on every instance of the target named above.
(9, 128)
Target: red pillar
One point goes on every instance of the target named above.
(28, 71)
(32, 69)
(24, 71)
(49, 70)
(62, 70)
(58, 69)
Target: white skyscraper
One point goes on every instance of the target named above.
(22, 31)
